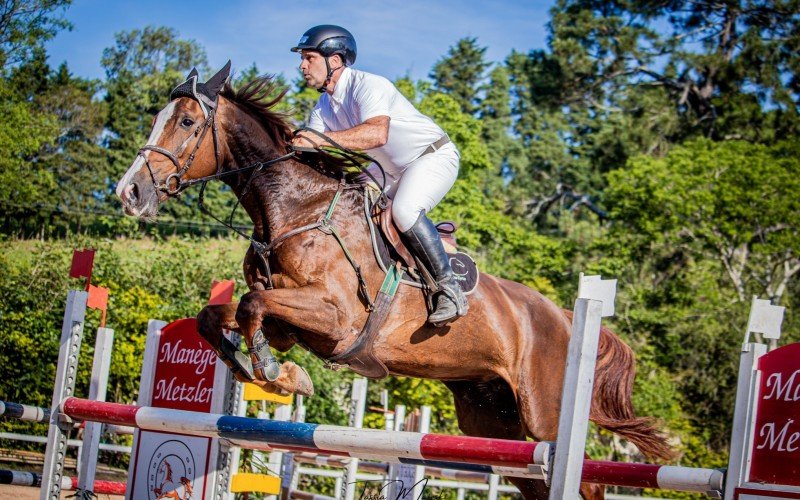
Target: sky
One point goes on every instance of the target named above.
(395, 37)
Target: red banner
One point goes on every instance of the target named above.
(776, 439)
(185, 367)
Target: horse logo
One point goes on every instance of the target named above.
(171, 472)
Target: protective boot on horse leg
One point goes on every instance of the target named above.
(448, 301)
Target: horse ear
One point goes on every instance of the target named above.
(192, 73)
(215, 83)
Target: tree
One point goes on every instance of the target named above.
(505, 152)
(25, 25)
(460, 73)
(733, 200)
(717, 60)
(24, 183)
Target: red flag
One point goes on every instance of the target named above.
(221, 292)
(98, 297)
(82, 262)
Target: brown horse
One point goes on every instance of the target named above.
(504, 361)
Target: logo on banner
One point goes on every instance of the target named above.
(171, 472)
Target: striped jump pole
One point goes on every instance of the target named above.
(507, 457)
(503, 457)
(24, 412)
(67, 483)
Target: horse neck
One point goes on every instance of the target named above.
(278, 197)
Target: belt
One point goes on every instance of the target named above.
(436, 145)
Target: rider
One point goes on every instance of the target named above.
(362, 111)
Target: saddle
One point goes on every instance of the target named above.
(391, 233)
(389, 248)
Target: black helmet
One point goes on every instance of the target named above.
(328, 40)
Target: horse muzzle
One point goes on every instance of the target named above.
(139, 199)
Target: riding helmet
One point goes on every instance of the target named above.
(328, 40)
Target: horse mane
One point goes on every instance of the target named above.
(258, 97)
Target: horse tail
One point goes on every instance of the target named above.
(612, 407)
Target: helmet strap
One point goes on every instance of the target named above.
(324, 87)
(331, 71)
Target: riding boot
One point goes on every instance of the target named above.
(449, 302)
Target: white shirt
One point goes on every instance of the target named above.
(359, 96)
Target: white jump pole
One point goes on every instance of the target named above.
(419, 470)
(97, 392)
(358, 403)
(595, 300)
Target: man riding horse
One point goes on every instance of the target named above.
(362, 111)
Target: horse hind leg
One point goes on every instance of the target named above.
(539, 402)
(489, 409)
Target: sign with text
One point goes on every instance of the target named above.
(182, 372)
(776, 436)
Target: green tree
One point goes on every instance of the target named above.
(25, 25)
(461, 72)
(23, 182)
(505, 152)
(72, 156)
(696, 234)
(719, 62)
(733, 200)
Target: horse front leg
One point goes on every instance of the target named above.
(303, 308)
(212, 320)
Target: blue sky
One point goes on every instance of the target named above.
(395, 37)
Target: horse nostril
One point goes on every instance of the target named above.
(134, 193)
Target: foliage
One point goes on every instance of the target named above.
(25, 25)
(460, 73)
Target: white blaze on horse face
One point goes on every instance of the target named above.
(158, 128)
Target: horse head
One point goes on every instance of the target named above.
(180, 147)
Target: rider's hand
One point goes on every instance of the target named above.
(304, 140)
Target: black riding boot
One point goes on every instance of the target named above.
(450, 301)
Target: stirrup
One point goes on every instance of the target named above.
(457, 300)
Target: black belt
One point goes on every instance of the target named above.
(436, 145)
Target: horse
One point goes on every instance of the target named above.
(503, 362)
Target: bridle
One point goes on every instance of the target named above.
(174, 183)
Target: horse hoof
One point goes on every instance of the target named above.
(303, 384)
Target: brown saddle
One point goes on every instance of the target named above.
(383, 219)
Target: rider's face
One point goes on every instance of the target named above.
(312, 64)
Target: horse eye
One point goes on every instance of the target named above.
(187, 122)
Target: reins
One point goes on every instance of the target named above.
(174, 185)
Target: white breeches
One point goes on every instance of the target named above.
(422, 184)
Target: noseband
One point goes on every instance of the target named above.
(174, 183)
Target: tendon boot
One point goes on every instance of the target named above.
(449, 301)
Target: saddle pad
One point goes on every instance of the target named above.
(465, 271)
